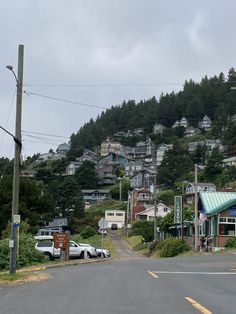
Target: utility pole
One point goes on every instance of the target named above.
(155, 206)
(16, 173)
(196, 208)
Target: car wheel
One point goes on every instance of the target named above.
(48, 256)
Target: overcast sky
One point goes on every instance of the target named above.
(101, 52)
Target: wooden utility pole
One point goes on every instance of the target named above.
(16, 173)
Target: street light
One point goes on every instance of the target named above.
(16, 170)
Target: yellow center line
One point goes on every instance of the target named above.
(198, 306)
(153, 274)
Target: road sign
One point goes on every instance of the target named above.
(61, 240)
(11, 244)
(16, 219)
(103, 223)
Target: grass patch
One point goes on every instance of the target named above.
(13, 277)
(134, 241)
(96, 240)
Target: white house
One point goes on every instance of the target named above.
(205, 123)
(72, 167)
(231, 161)
(115, 217)
(161, 211)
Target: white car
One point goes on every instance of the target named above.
(102, 252)
(102, 231)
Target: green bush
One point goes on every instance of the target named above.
(144, 229)
(27, 253)
(87, 232)
(172, 247)
(231, 243)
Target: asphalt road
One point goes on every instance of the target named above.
(131, 284)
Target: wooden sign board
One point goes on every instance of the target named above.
(61, 240)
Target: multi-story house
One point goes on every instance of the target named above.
(205, 123)
(191, 131)
(184, 122)
(72, 167)
(176, 124)
(107, 166)
(139, 199)
(158, 128)
(142, 179)
(95, 196)
(201, 187)
(110, 146)
(144, 150)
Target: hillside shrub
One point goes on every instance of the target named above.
(144, 229)
(87, 232)
(231, 243)
(172, 247)
(28, 255)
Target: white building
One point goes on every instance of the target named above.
(161, 151)
(149, 214)
(115, 217)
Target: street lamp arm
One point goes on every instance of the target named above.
(10, 67)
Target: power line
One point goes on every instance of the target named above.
(104, 85)
(63, 100)
(46, 134)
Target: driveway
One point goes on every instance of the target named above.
(122, 248)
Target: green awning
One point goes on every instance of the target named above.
(215, 202)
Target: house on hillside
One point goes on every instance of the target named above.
(96, 196)
(141, 179)
(176, 124)
(72, 167)
(229, 162)
(110, 146)
(191, 131)
(205, 123)
(149, 214)
(139, 200)
(201, 187)
(158, 128)
(184, 122)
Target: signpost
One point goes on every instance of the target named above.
(61, 241)
(103, 224)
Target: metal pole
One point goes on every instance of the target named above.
(16, 173)
(196, 208)
(120, 191)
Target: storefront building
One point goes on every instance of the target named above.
(217, 217)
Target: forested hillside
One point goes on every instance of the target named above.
(212, 96)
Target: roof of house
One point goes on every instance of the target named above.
(215, 202)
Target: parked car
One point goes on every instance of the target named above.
(90, 249)
(102, 252)
(114, 227)
(76, 250)
(102, 231)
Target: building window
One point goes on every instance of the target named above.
(119, 214)
(110, 214)
(227, 226)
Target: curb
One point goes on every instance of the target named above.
(62, 264)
